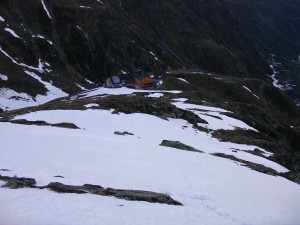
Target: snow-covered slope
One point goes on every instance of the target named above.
(212, 190)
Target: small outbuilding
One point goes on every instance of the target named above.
(114, 82)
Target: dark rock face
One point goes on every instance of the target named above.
(178, 145)
(18, 182)
(42, 123)
(90, 39)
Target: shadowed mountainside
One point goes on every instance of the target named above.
(91, 39)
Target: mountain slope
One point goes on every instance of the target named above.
(77, 40)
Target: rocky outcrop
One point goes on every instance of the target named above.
(254, 166)
(42, 123)
(131, 195)
(179, 145)
(158, 107)
(18, 182)
(123, 133)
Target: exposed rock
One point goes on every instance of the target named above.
(132, 195)
(26, 122)
(179, 145)
(139, 104)
(293, 176)
(65, 125)
(136, 195)
(254, 166)
(43, 123)
(17, 182)
(62, 188)
(122, 133)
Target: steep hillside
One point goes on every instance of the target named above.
(66, 42)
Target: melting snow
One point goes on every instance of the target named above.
(88, 81)
(154, 56)
(12, 32)
(274, 66)
(184, 80)
(39, 69)
(251, 92)
(3, 77)
(45, 8)
(213, 116)
(91, 105)
(10, 99)
(53, 92)
(85, 7)
(81, 87)
(156, 95)
(41, 37)
(198, 72)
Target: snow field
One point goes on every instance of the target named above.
(213, 190)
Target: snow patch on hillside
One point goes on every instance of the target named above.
(10, 99)
(53, 92)
(46, 10)
(118, 91)
(85, 7)
(184, 80)
(11, 32)
(41, 66)
(251, 92)
(91, 105)
(88, 81)
(3, 77)
(42, 37)
(274, 66)
(155, 95)
(216, 120)
(81, 87)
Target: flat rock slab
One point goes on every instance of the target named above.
(122, 133)
(132, 195)
(43, 123)
(179, 145)
(254, 166)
